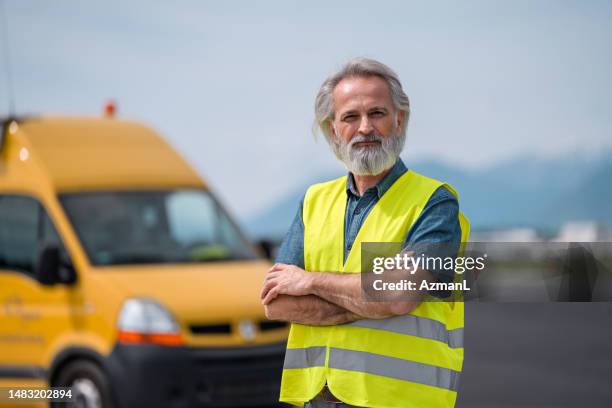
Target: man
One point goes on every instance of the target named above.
(343, 350)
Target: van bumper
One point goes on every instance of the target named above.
(181, 377)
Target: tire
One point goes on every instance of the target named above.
(90, 385)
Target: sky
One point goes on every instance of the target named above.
(232, 84)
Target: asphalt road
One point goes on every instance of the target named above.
(537, 355)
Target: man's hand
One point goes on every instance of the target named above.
(341, 289)
(308, 309)
(283, 279)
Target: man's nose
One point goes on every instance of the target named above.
(365, 127)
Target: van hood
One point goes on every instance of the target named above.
(205, 292)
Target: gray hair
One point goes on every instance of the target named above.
(360, 67)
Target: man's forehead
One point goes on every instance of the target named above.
(357, 90)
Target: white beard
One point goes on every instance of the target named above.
(369, 160)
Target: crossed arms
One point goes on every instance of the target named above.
(291, 294)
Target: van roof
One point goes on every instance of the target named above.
(99, 153)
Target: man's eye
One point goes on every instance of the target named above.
(349, 118)
(377, 114)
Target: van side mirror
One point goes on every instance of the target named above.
(51, 270)
(266, 247)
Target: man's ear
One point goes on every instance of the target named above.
(332, 131)
(401, 116)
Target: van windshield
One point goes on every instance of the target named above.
(136, 227)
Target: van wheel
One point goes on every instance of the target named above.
(90, 386)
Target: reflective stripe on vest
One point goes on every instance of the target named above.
(407, 324)
(305, 357)
(373, 364)
(412, 360)
(415, 326)
(394, 368)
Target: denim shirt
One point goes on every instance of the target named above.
(437, 223)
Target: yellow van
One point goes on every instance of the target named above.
(122, 276)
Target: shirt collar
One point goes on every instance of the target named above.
(383, 185)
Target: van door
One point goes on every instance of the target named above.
(32, 315)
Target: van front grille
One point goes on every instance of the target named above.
(200, 329)
(265, 325)
(226, 328)
(239, 377)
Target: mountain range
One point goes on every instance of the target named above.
(525, 191)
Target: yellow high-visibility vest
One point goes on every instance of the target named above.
(413, 360)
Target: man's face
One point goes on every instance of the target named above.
(366, 127)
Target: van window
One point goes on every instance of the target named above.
(191, 217)
(175, 226)
(24, 228)
(18, 233)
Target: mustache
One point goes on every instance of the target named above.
(372, 137)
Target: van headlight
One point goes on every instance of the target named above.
(146, 321)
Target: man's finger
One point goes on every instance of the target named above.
(266, 287)
(270, 275)
(272, 294)
(272, 268)
(277, 267)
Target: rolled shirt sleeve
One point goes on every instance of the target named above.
(437, 233)
(291, 250)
